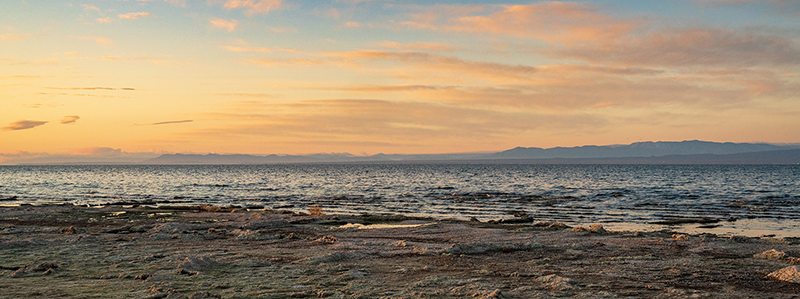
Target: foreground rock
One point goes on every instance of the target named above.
(196, 252)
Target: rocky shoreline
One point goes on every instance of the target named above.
(212, 252)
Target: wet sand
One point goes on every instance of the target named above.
(209, 252)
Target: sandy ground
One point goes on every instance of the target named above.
(207, 252)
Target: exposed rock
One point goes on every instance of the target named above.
(45, 266)
(680, 237)
(741, 239)
(789, 274)
(515, 220)
(597, 229)
(192, 264)
(332, 257)
(494, 294)
(557, 283)
(143, 276)
(479, 248)
(553, 225)
(327, 240)
(20, 272)
(266, 224)
(203, 295)
(771, 254)
(68, 230)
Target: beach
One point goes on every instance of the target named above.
(69, 251)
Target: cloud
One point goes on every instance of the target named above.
(23, 125)
(333, 14)
(417, 46)
(92, 88)
(98, 39)
(87, 7)
(689, 47)
(486, 70)
(248, 49)
(70, 119)
(253, 7)
(21, 77)
(352, 24)
(417, 124)
(12, 36)
(282, 29)
(172, 122)
(105, 20)
(252, 95)
(552, 22)
(133, 15)
(285, 62)
(218, 23)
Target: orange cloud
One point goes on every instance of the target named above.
(133, 15)
(254, 6)
(70, 119)
(23, 125)
(98, 39)
(248, 49)
(554, 22)
(172, 122)
(382, 122)
(218, 23)
(352, 24)
(284, 62)
(418, 46)
(690, 47)
(11, 36)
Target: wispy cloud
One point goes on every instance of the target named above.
(11, 36)
(92, 88)
(23, 125)
(172, 122)
(133, 15)
(554, 22)
(98, 39)
(248, 49)
(88, 7)
(689, 47)
(253, 7)
(229, 25)
(285, 62)
(70, 119)
(251, 95)
(417, 46)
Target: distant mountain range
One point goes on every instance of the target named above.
(661, 152)
(638, 149)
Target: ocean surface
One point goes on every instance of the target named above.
(751, 200)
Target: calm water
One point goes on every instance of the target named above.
(764, 199)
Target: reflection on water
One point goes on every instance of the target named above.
(746, 198)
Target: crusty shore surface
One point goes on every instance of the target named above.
(209, 252)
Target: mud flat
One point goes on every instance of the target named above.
(209, 252)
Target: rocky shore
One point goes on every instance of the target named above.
(211, 252)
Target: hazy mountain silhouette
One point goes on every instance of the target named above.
(638, 149)
(661, 152)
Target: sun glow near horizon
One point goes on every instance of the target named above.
(301, 77)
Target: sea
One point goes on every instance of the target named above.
(749, 200)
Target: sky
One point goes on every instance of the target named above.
(116, 77)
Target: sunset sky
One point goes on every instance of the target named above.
(117, 77)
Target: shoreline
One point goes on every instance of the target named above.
(215, 252)
(755, 227)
